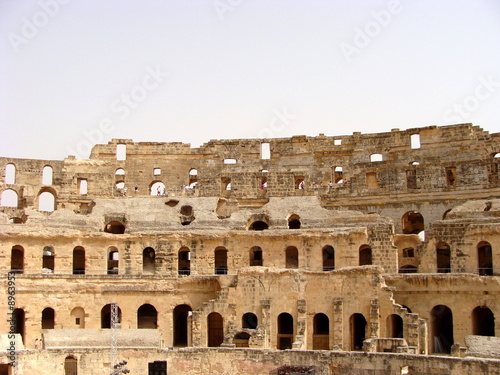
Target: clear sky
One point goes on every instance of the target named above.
(76, 72)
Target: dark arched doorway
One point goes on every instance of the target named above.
(285, 331)
(181, 313)
(147, 317)
(357, 324)
(442, 329)
(215, 329)
(483, 321)
(321, 334)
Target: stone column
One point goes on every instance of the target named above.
(337, 328)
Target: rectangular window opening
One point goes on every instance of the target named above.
(265, 151)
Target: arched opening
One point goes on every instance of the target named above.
(338, 175)
(113, 261)
(328, 258)
(70, 366)
(321, 334)
(181, 313)
(294, 222)
(17, 259)
(120, 172)
(408, 269)
(263, 182)
(258, 225)
(285, 331)
(106, 317)
(483, 321)
(365, 255)
(407, 308)
(78, 261)
(114, 227)
(299, 182)
(291, 257)
(47, 175)
(48, 259)
(46, 202)
(413, 222)
(148, 260)
(48, 318)
(78, 317)
(193, 178)
(220, 255)
(249, 320)
(241, 340)
(9, 198)
(442, 329)
(187, 214)
(215, 329)
(256, 256)
(484, 259)
(19, 322)
(157, 188)
(147, 317)
(357, 323)
(394, 326)
(443, 258)
(184, 261)
(10, 174)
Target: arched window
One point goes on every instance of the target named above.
(120, 172)
(48, 259)
(114, 227)
(441, 329)
(258, 225)
(10, 174)
(157, 188)
(256, 256)
(148, 260)
(483, 321)
(46, 201)
(249, 320)
(365, 255)
(285, 331)
(321, 335)
(294, 222)
(328, 258)
(113, 261)
(484, 259)
(413, 222)
(78, 261)
(78, 317)
(9, 198)
(70, 366)
(291, 257)
(106, 317)
(215, 329)
(395, 326)
(47, 175)
(17, 259)
(193, 178)
(220, 255)
(147, 317)
(225, 184)
(357, 323)
(443, 258)
(184, 261)
(181, 313)
(48, 316)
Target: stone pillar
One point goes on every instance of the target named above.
(266, 322)
(196, 328)
(301, 325)
(337, 328)
(374, 318)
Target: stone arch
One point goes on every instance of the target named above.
(47, 175)
(79, 261)
(48, 259)
(365, 255)
(328, 255)
(443, 257)
(70, 365)
(241, 340)
(113, 260)
(10, 174)
(157, 188)
(413, 222)
(17, 259)
(47, 200)
(215, 326)
(149, 260)
(120, 172)
(285, 331)
(294, 222)
(106, 316)
(220, 257)
(357, 324)
(114, 227)
(249, 320)
(181, 331)
(258, 222)
(193, 178)
(291, 257)
(184, 261)
(321, 332)
(441, 329)
(483, 321)
(484, 259)
(48, 318)
(9, 198)
(394, 325)
(147, 317)
(256, 258)
(78, 317)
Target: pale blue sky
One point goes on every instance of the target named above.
(191, 71)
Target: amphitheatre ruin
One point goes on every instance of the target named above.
(353, 254)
